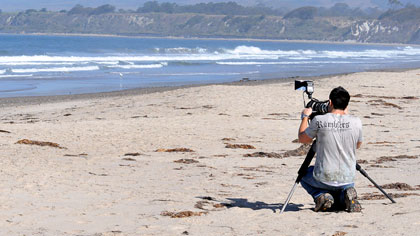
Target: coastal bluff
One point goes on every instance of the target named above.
(402, 27)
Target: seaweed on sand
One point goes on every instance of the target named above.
(39, 143)
(182, 214)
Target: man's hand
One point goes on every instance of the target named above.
(302, 136)
(307, 111)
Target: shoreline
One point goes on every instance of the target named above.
(209, 38)
(32, 100)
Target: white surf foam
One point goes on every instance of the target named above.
(15, 76)
(56, 69)
(152, 66)
(243, 63)
(35, 63)
(308, 54)
(183, 54)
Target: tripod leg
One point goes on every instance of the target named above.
(289, 197)
(363, 172)
(302, 172)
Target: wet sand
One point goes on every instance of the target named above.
(27, 100)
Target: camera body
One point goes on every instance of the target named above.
(318, 107)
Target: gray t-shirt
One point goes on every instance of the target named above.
(337, 137)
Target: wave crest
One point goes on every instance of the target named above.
(56, 69)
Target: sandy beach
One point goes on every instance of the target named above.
(201, 160)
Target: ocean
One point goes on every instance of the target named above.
(38, 65)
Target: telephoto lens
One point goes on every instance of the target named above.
(318, 107)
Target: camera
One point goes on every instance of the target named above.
(305, 85)
(318, 107)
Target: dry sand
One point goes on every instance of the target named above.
(105, 172)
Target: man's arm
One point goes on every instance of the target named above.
(302, 136)
(360, 139)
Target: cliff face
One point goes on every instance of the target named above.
(385, 30)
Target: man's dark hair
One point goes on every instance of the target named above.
(340, 98)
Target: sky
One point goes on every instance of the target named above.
(56, 5)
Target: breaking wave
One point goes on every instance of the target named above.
(196, 55)
(55, 69)
(15, 76)
(309, 54)
(239, 63)
(131, 66)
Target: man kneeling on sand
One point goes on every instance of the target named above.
(331, 181)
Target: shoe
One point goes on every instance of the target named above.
(324, 202)
(350, 199)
